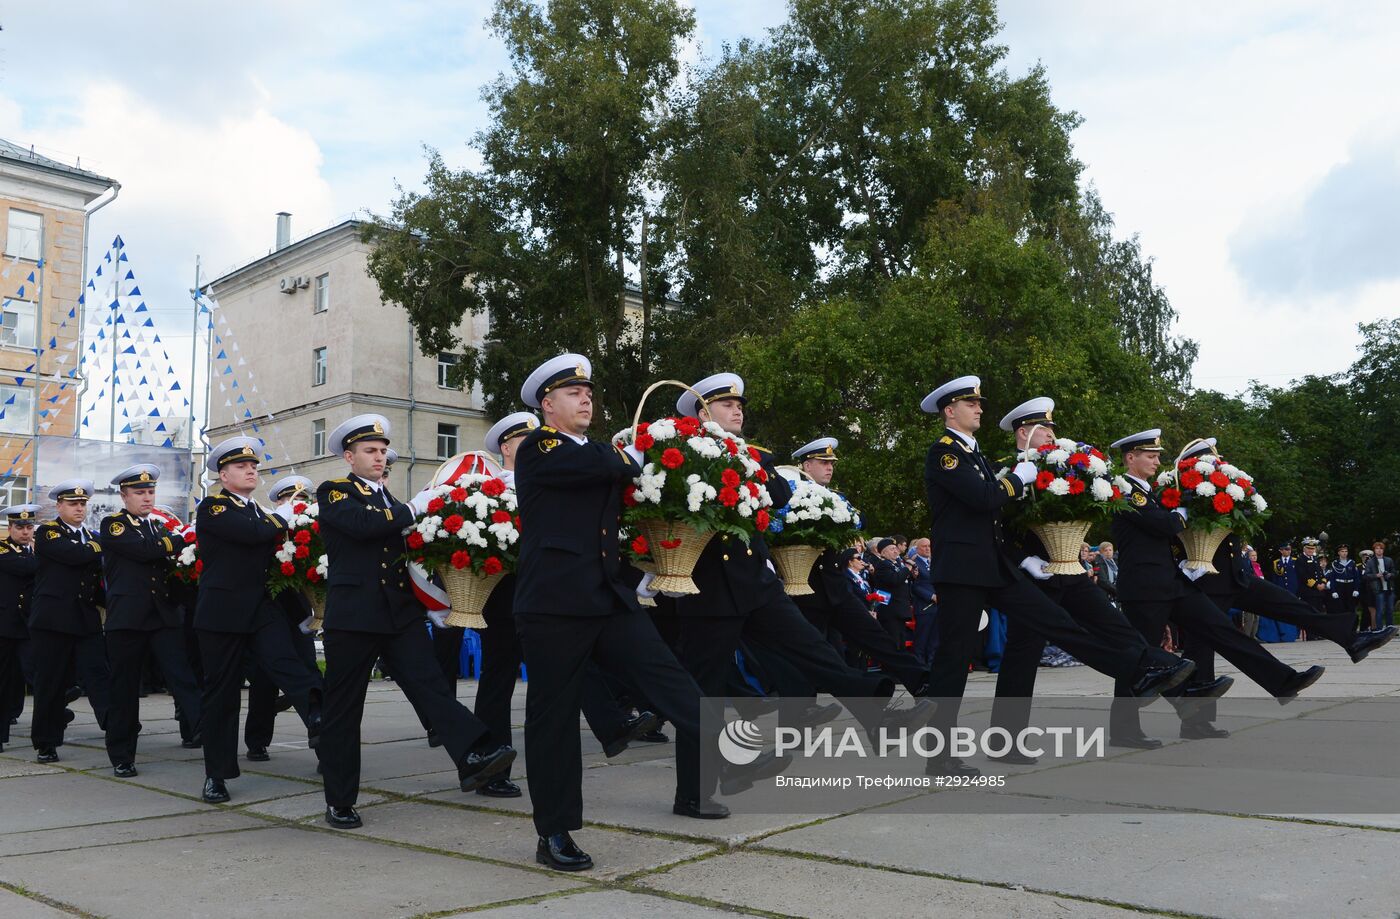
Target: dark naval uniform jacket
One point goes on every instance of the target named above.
(1144, 536)
(734, 579)
(136, 561)
(237, 539)
(68, 584)
(570, 498)
(18, 565)
(965, 499)
(367, 586)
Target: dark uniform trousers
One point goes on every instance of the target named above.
(54, 652)
(1089, 606)
(127, 650)
(262, 689)
(10, 677)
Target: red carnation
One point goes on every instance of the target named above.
(460, 560)
(761, 475)
(199, 566)
(1117, 493)
(1043, 479)
(755, 455)
(415, 540)
(1044, 448)
(453, 524)
(313, 575)
(500, 517)
(436, 505)
(1186, 464)
(732, 447)
(670, 543)
(1191, 478)
(302, 537)
(629, 497)
(687, 427)
(644, 442)
(1095, 452)
(1078, 459)
(492, 566)
(1076, 486)
(753, 489)
(1171, 497)
(191, 539)
(672, 458)
(172, 524)
(1223, 503)
(761, 520)
(288, 568)
(493, 488)
(640, 546)
(315, 526)
(301, 552)
(643, 428)
(1219, 479)
(728, 496)
(458, 494)
(729, 477)
(299, 507)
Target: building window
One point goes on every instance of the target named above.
(318, 437)
(446, 361)
(17, 327)
(15, 490)
(318, 367)
(447, 441)
(25, 236)
(16, 410)
(323, 293)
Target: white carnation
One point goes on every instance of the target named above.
(1259, 503)
(1234, 491)
(1204, 468)
(1101, 490)
(1058, 487)
(665, 429)
(1057, 457)
(1205, 489)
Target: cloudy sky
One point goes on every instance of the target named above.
(1252, 145)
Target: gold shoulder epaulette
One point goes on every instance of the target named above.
(547, 429)
(946, 439)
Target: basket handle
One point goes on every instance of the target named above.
(637, 416)
(1176, 466)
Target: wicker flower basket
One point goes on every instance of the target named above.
(467, 592)
(318, 608)
(645, 568)
(1201, 545)
(1063, 539)
(674, 565)
(794, 564)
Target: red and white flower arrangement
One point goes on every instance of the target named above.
(472, 525)
(1216, 494)
(301, 558)
(1074, 481)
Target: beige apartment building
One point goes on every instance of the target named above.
(44, 210)
(322, 347)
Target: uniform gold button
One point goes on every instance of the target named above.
(726, 556)
(749, 551)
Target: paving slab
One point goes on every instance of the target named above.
(282, 871)
(805, 887)
(14, 906)
(512, 838)
(111, 834)
(187, 779)
(300, 807)
(42, 802)
(1236, 866)
(13, 766)
(604, 904)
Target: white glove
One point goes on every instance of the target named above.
(644, 588)
(1035, 567)
(1334, 596)
(420, 501)
(285, 512)
(769, 563)
(1191, 573)
(1025, 471)
(439, 618)
(305, 626)
(1182, 512)
(1356, 593)
(637, 456)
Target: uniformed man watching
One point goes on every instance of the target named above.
(371, 612)
(64, 622)
(18, 565)
(235, 617)
(142, 617)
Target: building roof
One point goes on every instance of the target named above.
(17, 154)
(291, 249)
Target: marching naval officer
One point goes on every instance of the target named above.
(142, 617)
(235, 616)
(18, 566)
(371, 612)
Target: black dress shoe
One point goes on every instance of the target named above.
(704, 809)
(1136, 742)
(1156, 680)
(500, 787)
(343, 818)
(45, 755)
(193, 743)
(560, 853)
(1366, 642)
(1300, 681)
(1201, 730)
(478, 768)
(258, 754)
(215, 791)
(72, 694)
(1211, 690)
(735, 780)
(914, 716)
(124, 770)
(815, 715)
(1015, 758)
(632, 728)
(434, 739)
(656, 736)
(283, 703)
(952, 767)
